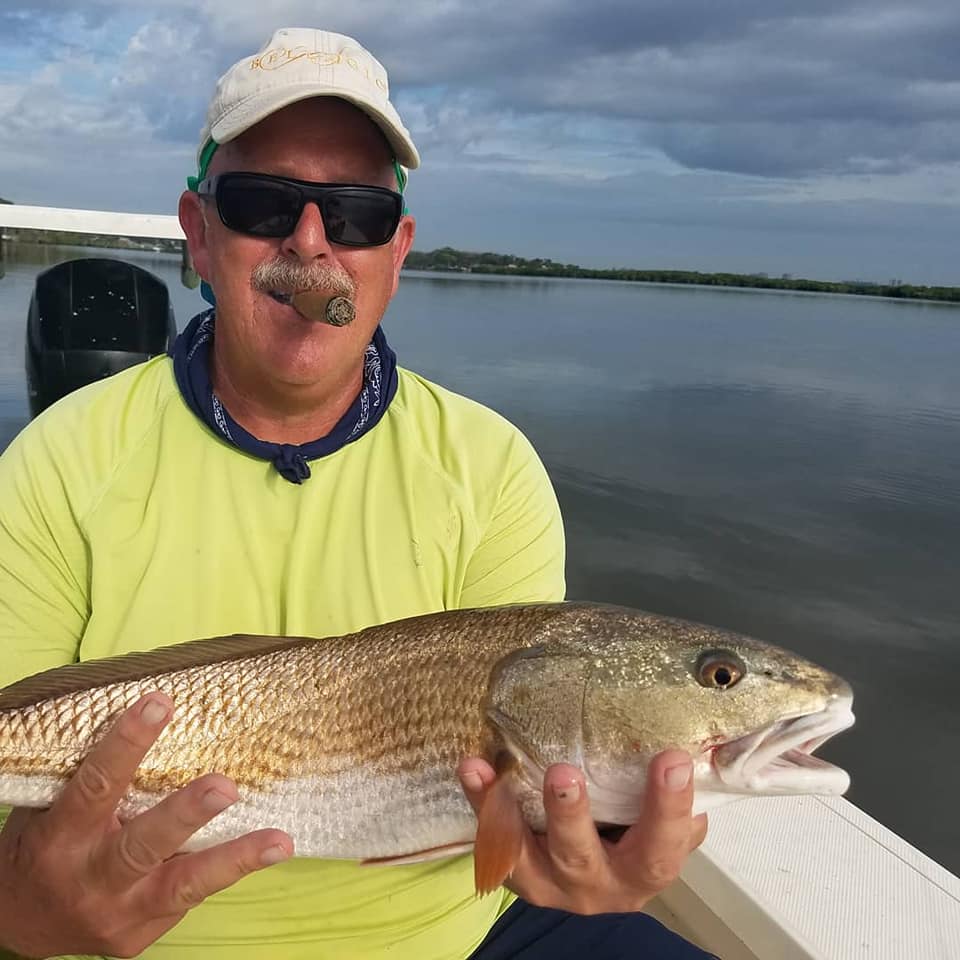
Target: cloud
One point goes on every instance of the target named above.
(685, 113)
(842, 88)
(166, 68)
(804, 149)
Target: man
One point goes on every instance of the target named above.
(280, 475)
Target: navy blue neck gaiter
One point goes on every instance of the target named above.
(191, 366)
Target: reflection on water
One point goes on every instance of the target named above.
(783, 465)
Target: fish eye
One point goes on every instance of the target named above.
(719, 668)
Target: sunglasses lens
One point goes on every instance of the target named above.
(260, 207)
(265, 206)
(360, 218)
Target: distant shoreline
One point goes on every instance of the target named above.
(450, 260)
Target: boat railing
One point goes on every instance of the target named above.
(99, 223)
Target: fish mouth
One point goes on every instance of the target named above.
(779, 758)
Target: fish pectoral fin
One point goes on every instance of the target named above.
(420, 856)
(499, 842)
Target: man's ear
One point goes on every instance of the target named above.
(193, 222)
(402, 242)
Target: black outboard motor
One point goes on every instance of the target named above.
(89, 319)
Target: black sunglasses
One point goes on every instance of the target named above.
(262, 205)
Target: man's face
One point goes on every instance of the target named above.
(264, 346)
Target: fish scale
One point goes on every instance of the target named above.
(351, 743)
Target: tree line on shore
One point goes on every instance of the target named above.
(447, 259)
(450, 260)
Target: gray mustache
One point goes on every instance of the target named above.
(289, 276)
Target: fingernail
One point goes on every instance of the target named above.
(566, 793)
(154, 712)
(215, 800)
(472, 781)
(273, 855)
(676, 778)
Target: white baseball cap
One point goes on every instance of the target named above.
(295, 64)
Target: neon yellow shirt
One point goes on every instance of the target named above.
(126, 524)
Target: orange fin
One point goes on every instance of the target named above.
(420, 856)
(500, 830)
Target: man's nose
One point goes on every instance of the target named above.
(309, 238)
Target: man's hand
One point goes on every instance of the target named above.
(573, 868)
(73, 879)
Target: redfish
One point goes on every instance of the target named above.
(351, 743)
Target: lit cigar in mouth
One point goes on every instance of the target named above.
(323, 308)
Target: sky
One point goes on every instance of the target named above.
(816, 139)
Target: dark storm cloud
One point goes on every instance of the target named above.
(773, 149)
(494, 44)
(750, 87)
(747, 87)
(822, 87)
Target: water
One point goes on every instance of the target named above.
(787, 465)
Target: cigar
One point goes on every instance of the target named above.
(322, 308)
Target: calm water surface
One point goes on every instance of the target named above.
(786, 465)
